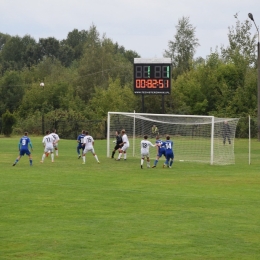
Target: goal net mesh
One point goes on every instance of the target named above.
(205, 139)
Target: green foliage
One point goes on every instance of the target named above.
(192, 94)
(66, 55)
(183, 48)
(3, 39)
(152, 104)
(32, 123)
(241, 42)
(76, 40)
(18, 52)
(217, 88)
(102, 60)
(114, 98)
(8, 121)
(49, 47)
(11, 91)
(86, 75)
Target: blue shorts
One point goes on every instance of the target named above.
(24, 151)
(169, 156)
(161, 153)
(80, 146)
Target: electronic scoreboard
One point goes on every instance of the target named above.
(152, 76)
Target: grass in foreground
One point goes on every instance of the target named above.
(115, 210)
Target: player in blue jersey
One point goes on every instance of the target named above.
(160, 150)
(80, 141)
(23, 147)
(168, 152)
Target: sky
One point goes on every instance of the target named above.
(144, 26)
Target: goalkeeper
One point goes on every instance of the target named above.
(118, 142)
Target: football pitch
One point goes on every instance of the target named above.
(115, 210)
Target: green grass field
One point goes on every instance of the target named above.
(115, 210)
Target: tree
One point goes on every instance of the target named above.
(192, 94)
(66, 55)
(12, 53)
(241, 80)
(128, 54)
(100, 62)
(49, 70)
(115, 98)
(76, 40)
(11, 91)
(241, 42)
(8, 121)
(3, 39)
(18, 52)
(49, 47)
(182, 49)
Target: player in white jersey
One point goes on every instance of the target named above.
(145, 145)
(125, 146)
(56, 138)
(89, 147)
(48, 141)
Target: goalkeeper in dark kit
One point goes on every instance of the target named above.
(118, 142)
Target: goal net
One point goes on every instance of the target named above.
(205, 139)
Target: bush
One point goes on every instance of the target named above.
(8, 121)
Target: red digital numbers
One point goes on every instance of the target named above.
(151, 83)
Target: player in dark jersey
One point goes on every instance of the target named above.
(118, 142)
(23, 147)
(80, 141)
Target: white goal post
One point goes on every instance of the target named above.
(205, 139)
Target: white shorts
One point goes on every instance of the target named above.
(48, 149)
(145, 155)
(89, 150)
(55, 145)
(125, 146)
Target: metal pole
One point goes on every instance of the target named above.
(43, 130)
(142, 103)
(108, 134)
(212, 141)
(249, 140)
(258, 87)
(162, 104)
(43, 123)
(134, 137)
(258, 78)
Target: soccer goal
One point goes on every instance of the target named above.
(205, 139)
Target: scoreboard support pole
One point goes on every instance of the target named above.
(143, 103)
(162, 104)
(163, 111)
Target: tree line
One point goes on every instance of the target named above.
(88, 74)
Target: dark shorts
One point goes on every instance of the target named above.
(117, 147)
(80, 146)
(24, 151)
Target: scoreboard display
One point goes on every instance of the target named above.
(152, 76)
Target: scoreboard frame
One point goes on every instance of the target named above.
(152, 76)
